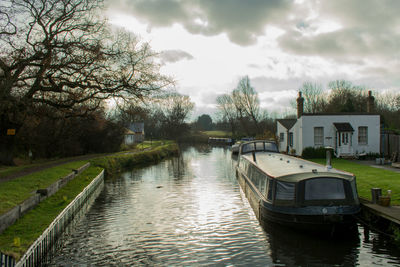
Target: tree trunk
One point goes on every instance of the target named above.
(7, 140)
(7, 149)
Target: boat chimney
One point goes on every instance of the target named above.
(328, 157)
(300, 105)
(254, 156)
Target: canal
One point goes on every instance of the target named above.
(190, 211)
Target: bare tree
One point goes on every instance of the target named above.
(246, 101)
(313, 95)
(346, 97)
(60, 54)
(389, 101)
(227, 110)
(172, 110)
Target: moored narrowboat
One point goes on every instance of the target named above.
(295, 192)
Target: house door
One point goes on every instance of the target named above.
(345, 143)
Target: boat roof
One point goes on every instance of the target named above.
(293, 169)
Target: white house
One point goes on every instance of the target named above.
(134, 133)
(348, 134)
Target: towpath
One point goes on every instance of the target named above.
(51, 164)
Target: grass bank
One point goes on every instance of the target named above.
(218, 133)
(115, 163)
(369, 177)
(16, 239)
(14, 192)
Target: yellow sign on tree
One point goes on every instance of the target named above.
(10, 131)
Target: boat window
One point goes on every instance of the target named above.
(248, 148)
(269, 189)
(260, 180)
(259, 146)
(324, 188)
(284, 190)
(354, 191)
(271, 147)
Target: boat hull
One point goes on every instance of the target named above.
(314, 223)
(317, 219)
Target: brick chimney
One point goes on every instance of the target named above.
(370, 102)
(300, 105)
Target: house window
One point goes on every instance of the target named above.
(318, 136)
(363, 135)
(281, 137)
(290, 139)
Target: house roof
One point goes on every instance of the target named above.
(341, 114)
(136, 127)
(287, 123)
(343, 127)
(128, 132)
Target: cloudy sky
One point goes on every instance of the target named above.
(208, 45)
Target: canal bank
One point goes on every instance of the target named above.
(15, 241)
(381, 219)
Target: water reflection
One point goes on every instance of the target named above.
(294, 248)
(190, 211)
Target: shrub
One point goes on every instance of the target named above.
(314, 153)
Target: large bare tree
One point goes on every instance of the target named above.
(246, 101)
(60, 53)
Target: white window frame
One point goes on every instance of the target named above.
(318, 136)
(363, 135)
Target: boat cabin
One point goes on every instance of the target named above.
(288, 181)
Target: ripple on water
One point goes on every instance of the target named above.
(190, 211)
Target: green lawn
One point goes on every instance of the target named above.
(14, 192)
(369, 177)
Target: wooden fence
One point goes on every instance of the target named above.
(390, 143)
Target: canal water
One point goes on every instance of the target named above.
(190, 211)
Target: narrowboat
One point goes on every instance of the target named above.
(298, 193)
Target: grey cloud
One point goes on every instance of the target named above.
(267, 84)
(369, 29)
(172, 56)
(255, 66)
(242, 21)
(346, 45)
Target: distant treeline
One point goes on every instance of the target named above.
(240, 112)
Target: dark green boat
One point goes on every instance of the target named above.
(296, 192)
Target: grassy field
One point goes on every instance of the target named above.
(14, 192)
(369, 177)
(16, 239)
(218, 133)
